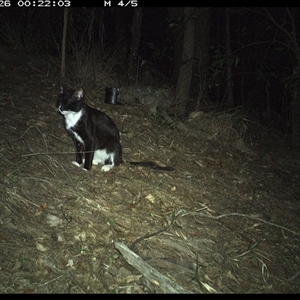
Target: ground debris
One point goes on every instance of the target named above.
(224, 220)
(167, 285)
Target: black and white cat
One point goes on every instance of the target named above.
(94, 134)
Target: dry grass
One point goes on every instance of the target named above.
(226, 221)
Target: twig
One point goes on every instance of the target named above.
(249, 217)
(51, 280)
(52, 153)
(21, 198)
(149, 235)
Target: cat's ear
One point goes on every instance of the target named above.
(79, 94)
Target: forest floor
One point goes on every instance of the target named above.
(225, 221)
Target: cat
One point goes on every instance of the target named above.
(92, 131)
(94, 134)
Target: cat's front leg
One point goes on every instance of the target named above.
(89, 155)
(88, 161)
(78, 154)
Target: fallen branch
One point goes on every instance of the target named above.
(167, 285)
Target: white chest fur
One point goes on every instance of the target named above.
(71, 119)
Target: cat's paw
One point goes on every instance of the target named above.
(76, 164)
(106, 168)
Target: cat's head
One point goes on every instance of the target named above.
(69, 100)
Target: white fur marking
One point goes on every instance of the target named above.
(106, 168)
(71, 117)
(100, 156)
(77, 137)
(76, 164)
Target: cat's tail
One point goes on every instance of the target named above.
(152, 165)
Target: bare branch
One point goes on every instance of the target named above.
(290, 35)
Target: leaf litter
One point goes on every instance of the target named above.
(225, 221)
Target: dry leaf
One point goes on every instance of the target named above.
(151, 198)
(40, 247)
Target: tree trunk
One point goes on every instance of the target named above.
(136, 36)
(296, 116)
(202, 42)
(187, 62)
(176, 13)
(120, 27)
(293, 44)
(63, 46)
(228, 60)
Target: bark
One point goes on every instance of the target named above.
(228, 55)
(202, 43)
(136, 36)
(187, 62)
(176, 13)
(63, 48)
(296, 116)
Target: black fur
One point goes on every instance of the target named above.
(93, 132)
(94, 128)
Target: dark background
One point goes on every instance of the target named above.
(263, 68)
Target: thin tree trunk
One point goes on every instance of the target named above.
(293, 44)
(228, 55)
(176, 13)
(202, 42)
(136, 36)
(63, 48)
(186, 70)
(296, 116)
